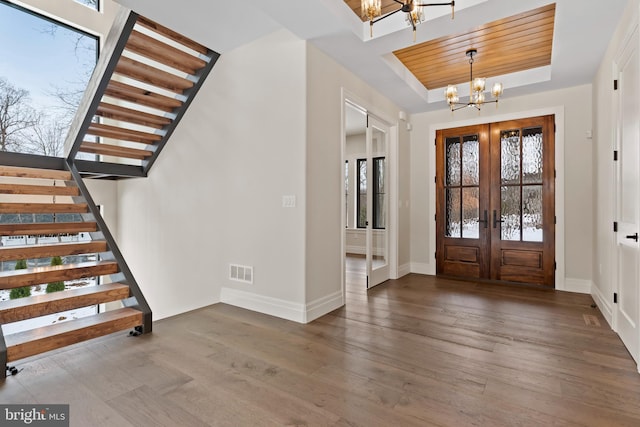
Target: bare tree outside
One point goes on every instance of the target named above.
(36, 109)
(47, 136)
(16, 116)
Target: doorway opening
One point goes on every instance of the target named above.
(366, 199)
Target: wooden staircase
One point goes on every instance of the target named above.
(145, 79)
(44, 213)
(143, 86)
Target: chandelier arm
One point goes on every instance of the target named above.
(384, 16)
(435, 4)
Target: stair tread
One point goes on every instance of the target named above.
(23, 172)
(115, 150)
(156, 50)
(125, 92)
(172, 35)
(117, 112)
(14, 208)
(40, 190)
(51, 249)
(42, 228)
(117, 132)
(52, 273)
(145, 73)
(56, 302)
(40, 340)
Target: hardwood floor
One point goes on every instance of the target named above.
(418, 351)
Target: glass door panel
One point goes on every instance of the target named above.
(462, 208)
(377, 203)
(523, 228)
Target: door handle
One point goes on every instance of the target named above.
(633, 237)
(485, 220)
(495, 219)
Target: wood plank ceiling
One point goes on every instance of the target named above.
(517, 43)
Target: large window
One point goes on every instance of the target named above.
(378, 190)
(362, 193)
(44, 69)
(346, 190)
(93, 4)
(379, 193)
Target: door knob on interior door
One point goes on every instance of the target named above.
(633, 237)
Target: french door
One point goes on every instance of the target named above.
(495, 210)
(377, 201)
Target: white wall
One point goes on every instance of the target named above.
(75, 14)
(604, 144)
(214, 196)
(577, 171)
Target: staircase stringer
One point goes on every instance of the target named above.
(190, 94)
(139, 302)
(112, 51)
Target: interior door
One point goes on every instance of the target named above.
(462, 206)
(627, 312)
(523, 201)
(495, 209)
(377, 234)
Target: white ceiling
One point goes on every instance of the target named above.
(582, 32)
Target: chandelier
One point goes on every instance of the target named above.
(371, 9)
(476, 90)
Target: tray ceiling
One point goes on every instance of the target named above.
(517, 43)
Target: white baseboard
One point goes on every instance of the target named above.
(323, 305)
(263, 304)
(604, 304)
(580, 286)
(403, 270)
(283, 309)
(422, 268)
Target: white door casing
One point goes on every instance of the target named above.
(626, 317)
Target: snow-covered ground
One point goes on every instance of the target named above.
(10, 328)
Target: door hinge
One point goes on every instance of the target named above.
(615, 155)
(435, 179)
(435, 217)
(615, 84)
(615, 226)
(555, 173)
(554, 127)
(435, 255)
(555, 219)
(435, 141)
(615, 297)
(555, 265)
